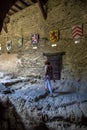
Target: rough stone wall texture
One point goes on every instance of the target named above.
(61, 15)
(9, 119)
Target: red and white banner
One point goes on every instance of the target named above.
(77, 31)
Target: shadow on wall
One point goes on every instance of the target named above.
(9, 119)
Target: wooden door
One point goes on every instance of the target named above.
(56, 62)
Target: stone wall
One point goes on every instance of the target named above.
(61, 15)
(9, 119)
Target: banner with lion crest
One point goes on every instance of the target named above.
(53, 35)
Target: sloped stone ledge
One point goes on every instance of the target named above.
(9, 118)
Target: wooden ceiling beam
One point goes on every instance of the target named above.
(14, 10)
(23, 2)
(19, 7)
(29, 2)
(42, 9)
(9, 13)
(19, 3)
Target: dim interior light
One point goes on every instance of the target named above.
(34, 47)
(77, 41)
(54, 45)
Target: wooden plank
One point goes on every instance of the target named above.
(11, 12)
(29, 2)
(19, 7)
(19, 3)
(24, 3)
(42, 9)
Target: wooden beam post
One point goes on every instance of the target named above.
(42, 9)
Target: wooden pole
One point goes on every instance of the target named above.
(42, 9)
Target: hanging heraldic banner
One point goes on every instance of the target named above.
(9, 45)
(77, 31)
(19, 42)
(34, 39)
(53, 35)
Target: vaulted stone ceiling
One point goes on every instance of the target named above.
(9, 7)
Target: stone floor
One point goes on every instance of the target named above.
(66, 110)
